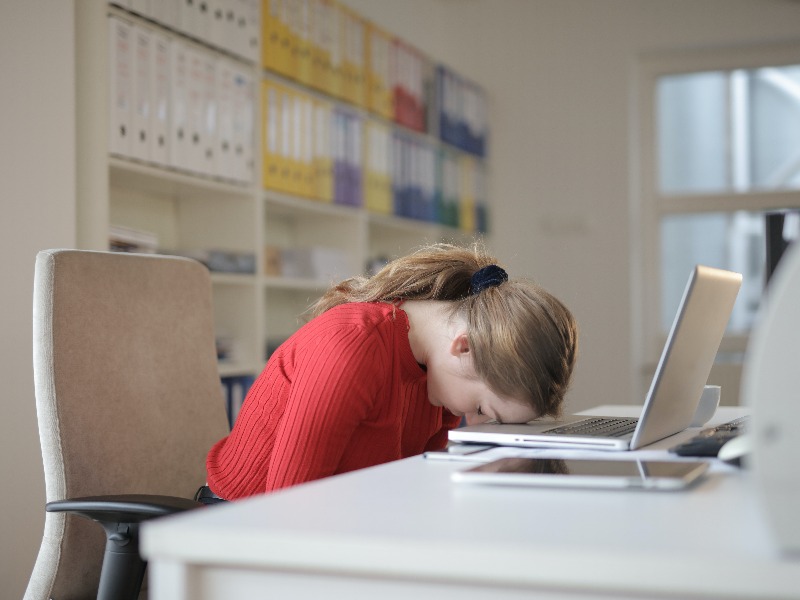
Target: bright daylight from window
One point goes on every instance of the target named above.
(724, 132)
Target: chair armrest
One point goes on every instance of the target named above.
(125, 508)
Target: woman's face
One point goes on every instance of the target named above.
(458, 389)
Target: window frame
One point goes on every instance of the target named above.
(649, 205)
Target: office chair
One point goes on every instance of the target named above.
(128, 402)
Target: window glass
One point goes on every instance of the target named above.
(733, 241)
(692, 133)
(733, 130)
(775, 128)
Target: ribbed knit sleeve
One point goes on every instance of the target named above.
(334, 390)
(343, 393)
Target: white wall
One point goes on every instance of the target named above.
(37, 208)
(559, 75)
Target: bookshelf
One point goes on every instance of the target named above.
(273, 248)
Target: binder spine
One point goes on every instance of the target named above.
(343, 129)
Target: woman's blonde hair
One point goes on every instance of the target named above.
(523, 340)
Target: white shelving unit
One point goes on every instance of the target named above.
(190, 212)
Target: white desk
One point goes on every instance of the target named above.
(404, 530)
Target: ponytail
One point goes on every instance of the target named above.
(523, 340)
(435, 272)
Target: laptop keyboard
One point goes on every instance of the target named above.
(598, 426)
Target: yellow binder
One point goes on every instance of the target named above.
(352, 49)
(320, 44)
(378, 89)
(273, 51)
(303, 26)
(377, 166)
(466, 213)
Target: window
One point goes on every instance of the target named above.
(734, 241)
(719, 147)
(723, 131)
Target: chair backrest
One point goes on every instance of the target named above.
(128, 394)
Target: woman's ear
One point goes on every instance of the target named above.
(460, 345)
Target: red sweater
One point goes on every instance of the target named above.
(343, 393)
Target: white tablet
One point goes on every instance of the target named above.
(585, 473)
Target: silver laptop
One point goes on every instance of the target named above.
(675, 391)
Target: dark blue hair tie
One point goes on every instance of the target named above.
(489, 276)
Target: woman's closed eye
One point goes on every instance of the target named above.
(486, 418)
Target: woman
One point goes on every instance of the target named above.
(389, 364)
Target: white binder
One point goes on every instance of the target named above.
(220, 15)
(160, 68)
(225, 163)
(243, 124)
(120, 86)
(178, 145)
(142, 7)
(195, 104)
(249, 47)
(208, 141)
(194, 19)
(165, 12)
(141, 134)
